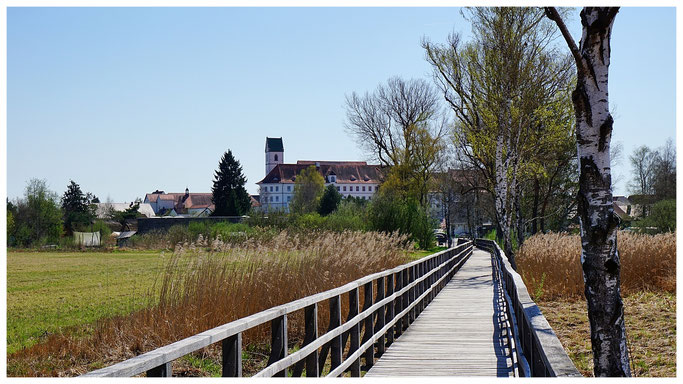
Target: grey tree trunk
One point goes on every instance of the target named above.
(599, 255)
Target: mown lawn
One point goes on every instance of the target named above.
(416, 255)
(49, 291)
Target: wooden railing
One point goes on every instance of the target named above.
(542, 353)
(392, 299)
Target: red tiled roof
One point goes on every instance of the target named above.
(183, 201)
(346, 172)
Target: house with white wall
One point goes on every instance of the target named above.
(351, 178)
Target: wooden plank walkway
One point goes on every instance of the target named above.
(460, 333)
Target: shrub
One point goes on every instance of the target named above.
(388, 213)
(662, 218)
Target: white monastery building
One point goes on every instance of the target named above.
(351, 178)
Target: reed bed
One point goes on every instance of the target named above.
(206, 284)
(550, 264)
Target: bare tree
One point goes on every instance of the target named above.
(664, 173)
(642, 161)
(401, 125)
(599, 255)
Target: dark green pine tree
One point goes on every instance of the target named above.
(330, 200)
(229, 195)
(76, 208)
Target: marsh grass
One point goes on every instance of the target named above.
(205, 284)
(550, 264)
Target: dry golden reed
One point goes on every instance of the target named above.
(550, 263)
(205, 285)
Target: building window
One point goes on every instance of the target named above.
(357, 189)
(344, 188)
(338, 189)
(277, 189)
(276, 157)
(271, 199)
(289, 188)
(364, 188)
(289, 198)
(376, 188)
(277, 198)
(271, 188)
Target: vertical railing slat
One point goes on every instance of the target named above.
(390, 309)
(311, 333)
(369, 331)
(164, 370)
(398, 327)
(335, 321)
(355, 332)
(278, 342)
(232, 356)
(380, 316)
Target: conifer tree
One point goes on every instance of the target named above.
(229, 195)
(330, 200)
(76, 207)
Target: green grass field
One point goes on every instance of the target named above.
(49, 291)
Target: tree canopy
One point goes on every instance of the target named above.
(329, 201)
(77, 208)
(229, 195)
(503, 87)
(308, 189)
(37, 219)
(401, 125)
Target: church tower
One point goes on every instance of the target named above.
(275, 153)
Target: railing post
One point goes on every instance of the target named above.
(232, 356)
(164, 370)
(379, 322)
(311, 330)
(390, 309)
(278, 342)
(431, 280)
(418, 289)
(355, 332)
(406, 298)
(398, 326)
(335, 321)
(369, 331)
(411, 293)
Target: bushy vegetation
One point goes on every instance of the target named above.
(662, 218)
(208, 283)
(550, 264)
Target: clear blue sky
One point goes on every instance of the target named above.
(128, 100)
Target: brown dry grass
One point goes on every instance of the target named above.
(550, 264)
(650, 330)
(223, 282)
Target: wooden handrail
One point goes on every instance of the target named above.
(542, 349)
(413, 285)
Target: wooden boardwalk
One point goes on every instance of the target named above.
(460, 333)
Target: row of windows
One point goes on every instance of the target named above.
(277, 198)
(289, 198)
(277, 188)
(358, 188)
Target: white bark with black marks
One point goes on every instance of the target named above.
(599, 255)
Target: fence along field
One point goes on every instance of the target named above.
(219, 283)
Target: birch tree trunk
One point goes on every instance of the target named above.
(599, 255)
